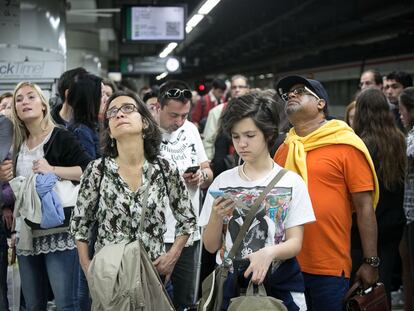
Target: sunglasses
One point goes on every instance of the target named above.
(298, 92)
(178, 93)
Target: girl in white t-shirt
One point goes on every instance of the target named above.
(275, 236)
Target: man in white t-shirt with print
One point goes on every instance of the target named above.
(181, 144)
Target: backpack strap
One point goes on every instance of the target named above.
(252, 213)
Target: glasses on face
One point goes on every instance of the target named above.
(126, 108)
(234, 87)
(299, 91)
(177, 93)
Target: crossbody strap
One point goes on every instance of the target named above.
(252, 213)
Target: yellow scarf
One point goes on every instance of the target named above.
(332, 132)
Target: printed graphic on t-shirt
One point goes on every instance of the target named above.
(267, 227)
(180, 150)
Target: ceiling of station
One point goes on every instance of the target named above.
(275, 36)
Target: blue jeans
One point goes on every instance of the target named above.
(324, 292)
(184, 277)
(62, 270)
(85, 301)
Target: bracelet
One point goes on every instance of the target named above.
(13, 232)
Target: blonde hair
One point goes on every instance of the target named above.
(21, 132)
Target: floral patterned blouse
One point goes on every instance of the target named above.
(119, 210)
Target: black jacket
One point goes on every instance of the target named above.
(63, 149)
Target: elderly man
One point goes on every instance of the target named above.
(341, 178)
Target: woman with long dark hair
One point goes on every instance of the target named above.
(375, 124)
(84, 96)
(406, 108)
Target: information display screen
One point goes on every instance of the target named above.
(154, 23)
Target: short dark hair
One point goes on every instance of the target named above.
(376, 74)
(65, 80)
(84, 96)
(6, 95)
(149, 95)
(152, 134)
(401, 77)
(260, 107)
(219, 84)
(172, 84)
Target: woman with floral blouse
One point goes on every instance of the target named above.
(131, 141)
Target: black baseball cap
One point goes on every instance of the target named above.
(284, 85)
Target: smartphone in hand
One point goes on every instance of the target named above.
(216, 193)
(192, 169)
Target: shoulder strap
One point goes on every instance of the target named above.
(252, 213)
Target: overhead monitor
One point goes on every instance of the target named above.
(154, 23)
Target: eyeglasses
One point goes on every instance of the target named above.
(234, 87)
(298, 92)
(177, 93)
(126, 108)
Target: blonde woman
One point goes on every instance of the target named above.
(40, 147)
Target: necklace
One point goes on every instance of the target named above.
(245, 175)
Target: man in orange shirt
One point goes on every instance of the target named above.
(341, 178)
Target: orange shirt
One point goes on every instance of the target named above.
(334, 172)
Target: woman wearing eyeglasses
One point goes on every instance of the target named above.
(131, 143)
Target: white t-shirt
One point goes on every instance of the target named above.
(184, 148)
(287, 205)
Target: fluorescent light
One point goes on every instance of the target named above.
(161, 76)
(208, 6)
(195, 20)
(188, 29)
(169, 48)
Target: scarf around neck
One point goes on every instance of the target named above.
(331, 133)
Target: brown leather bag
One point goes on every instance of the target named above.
(371, 299)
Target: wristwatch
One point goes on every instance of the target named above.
(372, 261)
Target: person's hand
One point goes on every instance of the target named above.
(6, 170)
(259, 265)
(41, 166)
(367, 275)
(193, 179)
(13, 247)
(223, 207)
(165, 263)
(7, 217)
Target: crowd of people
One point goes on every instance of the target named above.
(179, 172)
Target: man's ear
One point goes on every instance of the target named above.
(321, 104)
